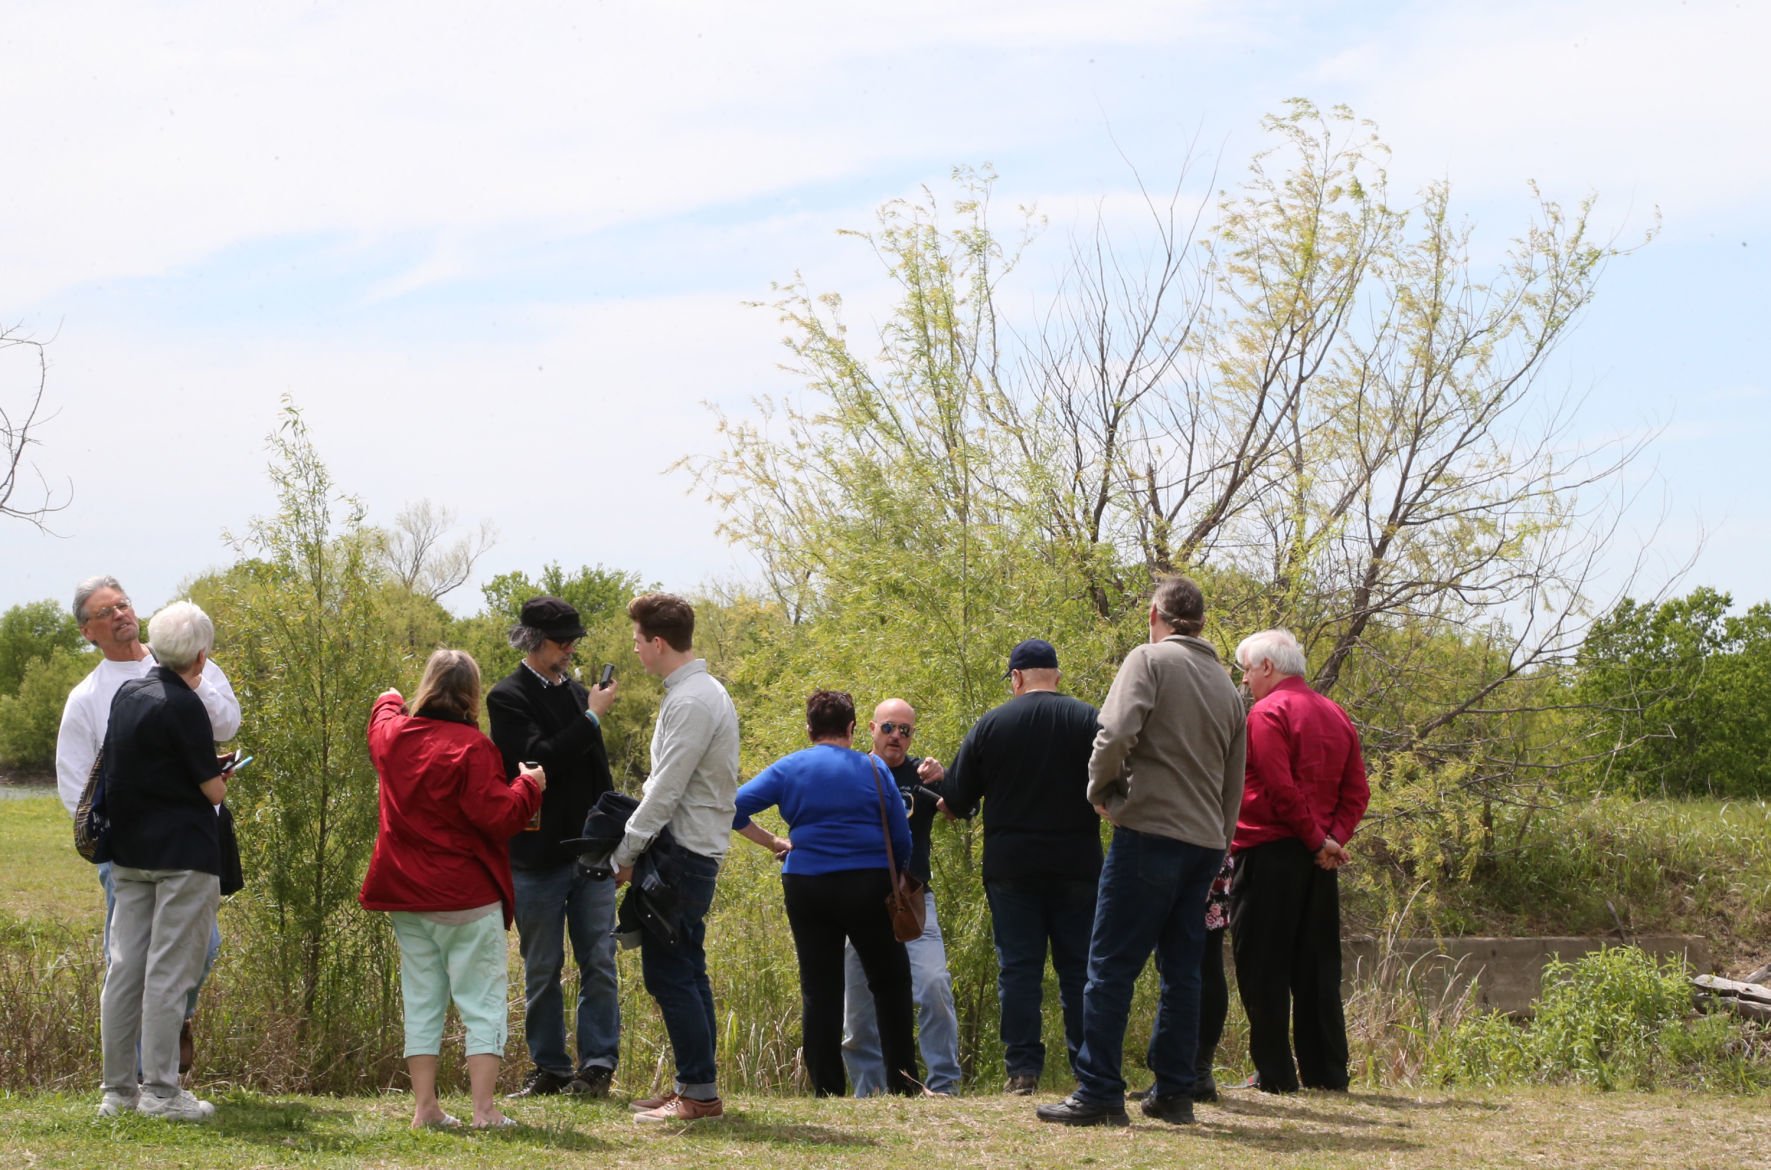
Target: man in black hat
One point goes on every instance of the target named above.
(1027, 761)
(541, 714)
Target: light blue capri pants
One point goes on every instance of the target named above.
(469, 962)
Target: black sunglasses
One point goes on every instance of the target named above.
(905, 729)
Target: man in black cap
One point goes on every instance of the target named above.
(1027, 761)
(541, 714)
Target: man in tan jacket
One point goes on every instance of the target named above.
(1167, 772)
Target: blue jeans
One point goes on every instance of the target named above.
(932, 989)
(190, 1001)
(551, 904)
(1153, 892)
(676, 976)
(1026, 914)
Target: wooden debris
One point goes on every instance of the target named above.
(1744, 998)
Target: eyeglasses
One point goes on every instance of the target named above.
(904, 729)
(109, 611)
(564, 643)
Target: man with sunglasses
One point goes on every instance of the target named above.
(541, 714)
(108, 620)
(892, 727)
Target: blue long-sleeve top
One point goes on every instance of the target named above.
(829, 800)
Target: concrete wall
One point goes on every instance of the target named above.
(1508, 971)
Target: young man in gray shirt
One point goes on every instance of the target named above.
(691, 792)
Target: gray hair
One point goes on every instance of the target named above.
(527, 639)
(1279, 647)
(83, 593)
(179, 633)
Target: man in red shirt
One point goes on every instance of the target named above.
(1304, 795)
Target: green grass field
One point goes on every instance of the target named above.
(43, 876)
(1563, 1128)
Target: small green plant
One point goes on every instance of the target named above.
(1615, 1019)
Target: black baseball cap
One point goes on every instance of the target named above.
(555, 619)
(1033, 654)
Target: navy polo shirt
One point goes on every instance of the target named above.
(159, 751)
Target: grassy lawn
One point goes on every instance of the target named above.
(1517, 1128)
(44, 877)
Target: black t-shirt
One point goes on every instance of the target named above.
(921, 809)
(159, 751)
(547, 724)
(1027, 761)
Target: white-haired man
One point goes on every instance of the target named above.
(1305, 793)
(108, 620)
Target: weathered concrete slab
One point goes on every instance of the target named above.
(1508, 971)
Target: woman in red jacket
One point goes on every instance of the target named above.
(442, 868)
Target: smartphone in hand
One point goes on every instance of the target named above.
(602, 684)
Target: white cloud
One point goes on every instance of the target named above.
(1646, 102)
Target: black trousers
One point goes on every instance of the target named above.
(825, 910)
(1285, 937)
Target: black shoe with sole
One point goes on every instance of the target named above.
(1020, 1085)
(541, 1083)
(591, 1082)
(1174, 1108)
(1073, 1110)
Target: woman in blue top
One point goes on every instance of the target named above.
(835, 883)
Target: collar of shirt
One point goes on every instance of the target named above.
(682, 673)
(545, 681)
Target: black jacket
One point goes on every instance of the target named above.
(532, 721)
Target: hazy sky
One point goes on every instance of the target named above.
(499, 254)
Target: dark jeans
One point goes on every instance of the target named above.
(1214, 1008)
(1026, 914)
(553, 904)
(825, 910)
(1285, 935)
(1152, 898)
(676, 976)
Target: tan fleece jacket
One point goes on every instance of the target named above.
(1168, 758)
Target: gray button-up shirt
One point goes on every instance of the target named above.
(694, 768)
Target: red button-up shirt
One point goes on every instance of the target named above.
(1305, 777)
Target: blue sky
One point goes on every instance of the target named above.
(501, 262)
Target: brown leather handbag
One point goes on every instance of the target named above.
(906, 904)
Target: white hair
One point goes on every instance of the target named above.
(1276, 646)
(180, 632)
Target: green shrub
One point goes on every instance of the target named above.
(1614, 1019)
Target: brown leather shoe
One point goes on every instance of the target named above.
(187, 1048)
(683, 1109)
(647, 1104)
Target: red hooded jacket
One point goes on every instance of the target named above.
(447, 815)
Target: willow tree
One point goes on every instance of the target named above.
(1316, 400)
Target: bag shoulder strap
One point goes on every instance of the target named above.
(884, 828)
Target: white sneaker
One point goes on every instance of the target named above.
(117, 1103)
(183, 1107)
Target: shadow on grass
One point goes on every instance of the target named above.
(305, 1125)
(1291, 1140)
(749, 1127)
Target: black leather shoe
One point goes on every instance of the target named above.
(1020, 1085)
(541, 1083)
(592, 1082)
(1174, 1108)
(1072, 1110)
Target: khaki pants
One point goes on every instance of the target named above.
(159, 938)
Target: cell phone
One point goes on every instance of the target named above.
(235, 764)
(602, 684)
(533, 825)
